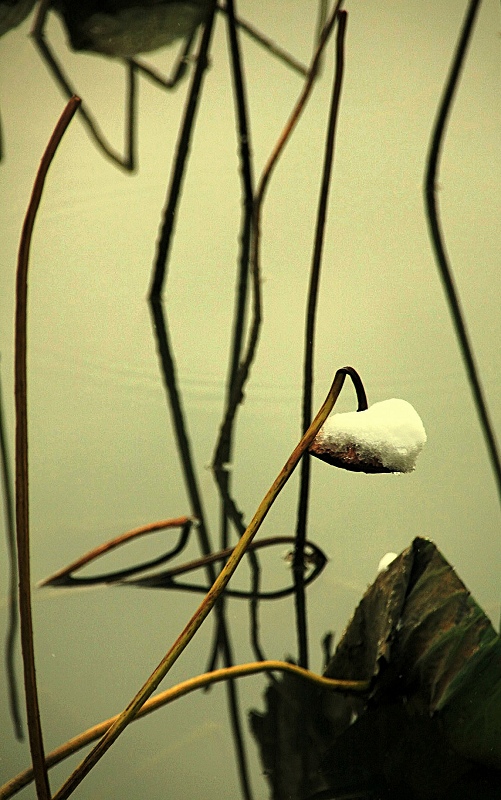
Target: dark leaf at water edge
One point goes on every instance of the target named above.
(431, 724)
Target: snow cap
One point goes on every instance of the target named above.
(385, 561)
(386, 437)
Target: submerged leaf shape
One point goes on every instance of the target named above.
(126, 28)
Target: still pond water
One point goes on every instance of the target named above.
(103, 450)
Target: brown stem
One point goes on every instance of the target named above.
(59, 577)
(67, 749)
(209, 600)
(22, 497)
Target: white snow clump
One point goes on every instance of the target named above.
(385, 561)
(390, 431)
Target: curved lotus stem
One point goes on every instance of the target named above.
(22, 489)
(211, 597)
(240, 670)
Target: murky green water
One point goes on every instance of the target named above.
(103, 455)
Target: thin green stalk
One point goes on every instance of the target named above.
(210, 599)
(174, 693)
(22, 496)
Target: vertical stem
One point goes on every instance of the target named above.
(182, 152)
(13, 627)
(255, 268)
(22, 493)
(130, 139)
(309, 345)
(439, 245)
(222, 475)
